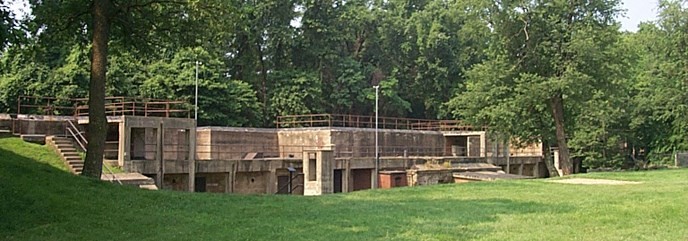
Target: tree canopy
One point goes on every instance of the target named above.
(560, 72)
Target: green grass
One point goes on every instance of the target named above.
(42, 202)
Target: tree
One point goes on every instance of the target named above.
(127, 23)
(8, 31)
(659, 119)
(545, 57)
(222, 101)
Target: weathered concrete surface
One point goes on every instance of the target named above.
(485, 176)
(230, 143)
(33, 138)
(41, 127)
(318, 171)
(131, 179)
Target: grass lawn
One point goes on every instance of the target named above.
(41, 201)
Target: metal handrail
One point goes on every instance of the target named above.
(81, 140)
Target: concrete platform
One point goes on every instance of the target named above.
(38, 139)
(132, 179)
(487, 176)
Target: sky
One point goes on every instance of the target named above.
(637, 11)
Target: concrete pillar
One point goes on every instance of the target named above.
(159, 145)
(483, 144)
(272, 180)
(318, 172)
(346, 176)
(536, 169)
(192, 156)
(232, 177)
(520, 169)
(124, 147)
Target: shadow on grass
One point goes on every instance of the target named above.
(34, 193)
(406, 218)
(41, 202)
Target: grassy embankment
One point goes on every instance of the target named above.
(41, 201)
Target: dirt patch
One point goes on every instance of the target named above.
(588, 181)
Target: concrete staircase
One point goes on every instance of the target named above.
(67, 151)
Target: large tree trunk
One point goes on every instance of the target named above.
(97, 124)
(557, 106)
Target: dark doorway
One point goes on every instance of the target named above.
(283, 185)
(199, 184)
(337, 181)
(362, 179)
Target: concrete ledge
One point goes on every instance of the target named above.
(38, 139)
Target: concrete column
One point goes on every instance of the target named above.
(346, 176)
(159, 156)
(232, 176)
(121, 151)
(483, 144)
(536, 169)
(520, 169)
(318, 173)
(272, 180)
(192, 157)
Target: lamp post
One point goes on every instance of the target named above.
(196, 96)
(377, 148)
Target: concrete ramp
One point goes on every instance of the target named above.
(485, 176)
(131, 179)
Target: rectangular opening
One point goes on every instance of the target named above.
(362, 179)
(337, 181)
(312, 167)
(200, 184)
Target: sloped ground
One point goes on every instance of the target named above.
(41, 201)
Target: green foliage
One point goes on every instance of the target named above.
(494, 63)
(544, 52)
(659, 119)
(8, 31)
(295, 93)
(221, 100)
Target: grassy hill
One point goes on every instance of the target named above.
(41, 201)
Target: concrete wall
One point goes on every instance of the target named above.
(215, 182)
(251, 182)
(229, 143)
(429, 177)
(359, 142)
(530, 150)
(355, 142)
(176, 182)
(41, 127)
(292, 142)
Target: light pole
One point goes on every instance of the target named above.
(196, 96)
(377, 148)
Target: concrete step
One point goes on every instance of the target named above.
(149, 187)
(67, 149)
(71, 154)
(71, 163)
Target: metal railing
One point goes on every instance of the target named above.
(114, 106)
(360, 121)
(81, 140)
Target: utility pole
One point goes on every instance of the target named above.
(196, 96)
